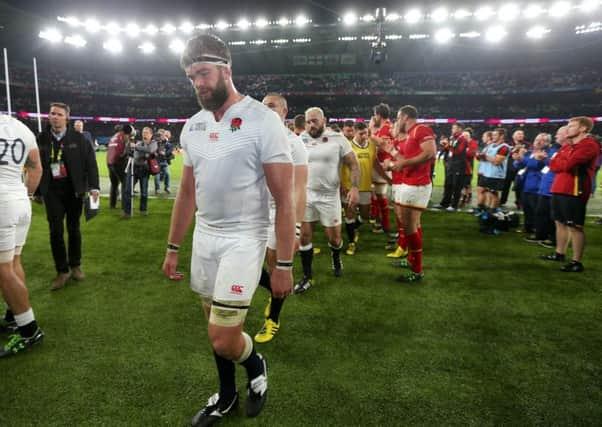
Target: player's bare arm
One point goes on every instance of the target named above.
(279, 178)
(350, 160)
(181, 218)
(33, 171)
(429, 152)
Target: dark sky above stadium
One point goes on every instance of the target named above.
(319, 11)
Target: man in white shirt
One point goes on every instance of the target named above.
(18, 150)
(235, 155)
(327, 150)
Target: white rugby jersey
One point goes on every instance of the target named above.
(227, 158)
(325, 155)
(16, 141)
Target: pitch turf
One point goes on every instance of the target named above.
(491, 337)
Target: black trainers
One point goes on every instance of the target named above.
(553, 257)
(548, 244)
(257, 391)
(8, 327)
(338, 270)
(214, 411)
(302, 285)
(572, 267)
(16, 343)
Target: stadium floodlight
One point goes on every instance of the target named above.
(461, 14)
(508, 12)
(72, 21)
(76, 40)
(280, 41)
(589, 5)
(168, 29)
(132, 29)
(243, 24)
(559, 9)
(533, 11)
(283, 22)
(92, 25)
(238, 43)
(594, 27)
(147, 48)
(392, 17)
(186, 27)
(51, 34)
(483, 13)
(537, 32)
(221, 25)
(418, 36)
(367, 18)
(203, 26)
(150, 30)
(470, 35)
(439, 15)
(347, 38)
(444, 35)
(302, 40)
(301, 21)
(261, 23)
(413, 16)
(176, 46)
(369, 38)
(495, 34)
(113, 46)
(393, 37)
(113, 28)
(258, 42)
(349, 18)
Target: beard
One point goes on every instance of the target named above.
(215, 98)
(315, 133)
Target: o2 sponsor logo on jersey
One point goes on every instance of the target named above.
(237, 289)
(197, 127)
(213, 136)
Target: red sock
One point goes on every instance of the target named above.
(373, 206)
(415, 246)
(383, 207)
(419, 231)
(402, 240)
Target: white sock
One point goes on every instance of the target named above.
(25, 318)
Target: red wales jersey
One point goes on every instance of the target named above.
(397, 177)
(417, 174)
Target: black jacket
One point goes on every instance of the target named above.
(79, 159)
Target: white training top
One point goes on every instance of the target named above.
(16, 141)
(227, 158)
(325, 155)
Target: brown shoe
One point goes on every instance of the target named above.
(59, 281)
(77, 274)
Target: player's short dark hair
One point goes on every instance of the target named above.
(348, 123)
(205, 47)
(469, 130)
(281, 98)
(360, 126)
(460, 125)
(500, 131)
(127, 129)
(382, 110)
(299, 121)
(410, 111)
(62, 106)
(335, 127)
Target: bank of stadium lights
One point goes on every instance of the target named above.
(495, 34)
(533, 11)
(76, 41)
(261, 23)
(168, 29)
(113, 28)
(51, 34)
(132, 29)
(537, 32)
(508, 12)
(484, 13)
(187, 27)
(113, 46)
(413, 16)
(176, 46)
(92, 25)
(238, 43)
(147, 48)
(367, 18)
(444, 35)
(461, 14)
(393, 37)
(204, 26)
(589, 5)
(392, 17)
(559, 9)
(222, 25)
(439, 15)
(469, 35)
(283, 22)
(347, 38)
(279, 41)
(369, 38)
(591, 28)
(302, 40)
(243, 23)
(150, 30)
(350, 18)
(301, 21)
(258, 42)
(418, 36)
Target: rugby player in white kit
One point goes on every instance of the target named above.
(327, 150)
(235, 154)
(18, 152)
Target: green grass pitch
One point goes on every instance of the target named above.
(493, 336)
